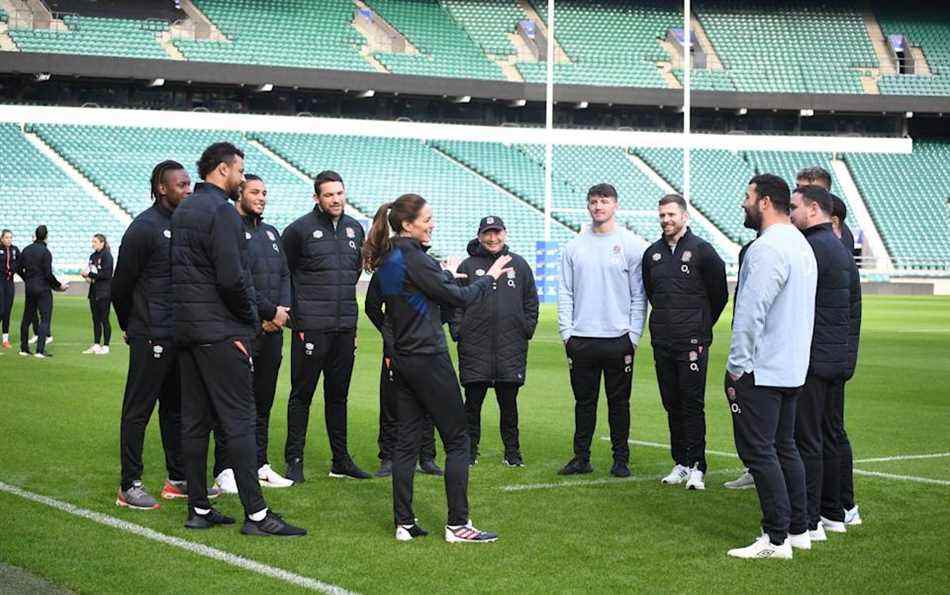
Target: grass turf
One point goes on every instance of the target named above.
(60, 438)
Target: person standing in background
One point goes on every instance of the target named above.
(8, 257)
(35, 267)
(98, 274)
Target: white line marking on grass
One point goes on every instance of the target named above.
(666, 446)
(941, 331)
(935, 455)
(190, 546)
(939, 482)
(581, 483)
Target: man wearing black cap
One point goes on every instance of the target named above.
(493, 336)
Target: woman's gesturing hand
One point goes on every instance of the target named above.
(498, 267)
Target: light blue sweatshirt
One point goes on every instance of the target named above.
(775, 309)
(601, 292)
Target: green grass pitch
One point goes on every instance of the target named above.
(59, 428)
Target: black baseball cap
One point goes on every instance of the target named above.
(490, 222)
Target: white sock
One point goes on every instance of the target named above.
(202, 511)
(258, 516)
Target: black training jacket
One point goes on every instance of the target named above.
(837, 274)
(35, 267)
(415, 290)
(687, 291)
(142, 283)
(324, 262)
(8, 258)
(268, 267)
(100, 273)
(493, 333)
(213, 296)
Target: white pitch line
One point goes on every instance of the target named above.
(936, 455)
(190, 546)
(718, 453)
(939, 482)
(595, 482)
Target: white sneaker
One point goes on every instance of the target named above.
(743, 482)
(33, 339)
(225, 482)
(763, 548)
(49, 340)
(801, 541)
(696, 480)
(834, 526)
(104, 350)
(819, 533)
(852, 517)
(678, 475)
(39, 355)
(467, 533)
(271, 479)
(94, 348)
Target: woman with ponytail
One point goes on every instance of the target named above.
(414, 290)
(98, 274)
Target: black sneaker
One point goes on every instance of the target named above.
(620, 469)
(295, 470)
(271, 526)
(514, 460)
(385, 468)
(576, 466)
(206, 521)
(349, 469)
(408, 533)
(429, 468)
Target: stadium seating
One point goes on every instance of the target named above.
(119, 161)
(788, 46)
(907, 198)
(35, 191)
(377, 170)
(299, 33)
(488, 22)
(931, 32)
(126, 38)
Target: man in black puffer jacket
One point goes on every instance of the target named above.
(215, 321)
(271, 279)
(830, 348)
(493, 336)
(685, 281)
(324, 251)
(142, 297)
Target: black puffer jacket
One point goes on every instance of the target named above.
(324, 262)
(830, 344)
(687, 291)
(142, 283)
(100, 273)
(35, 267)
(213, 296)
(268, 267)
(8, 258)
(493, 333)
(415, 290)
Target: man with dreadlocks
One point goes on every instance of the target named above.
(142, 297)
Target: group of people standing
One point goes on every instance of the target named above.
(203, 289)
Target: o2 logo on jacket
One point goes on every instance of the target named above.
(480, 272)
(276, 249)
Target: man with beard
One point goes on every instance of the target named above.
(768, 362)
(838, 282)
(685, 281)
(215, 320)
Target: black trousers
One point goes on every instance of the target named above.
(217, 390)
(589, 359)
(388, 422)
(681, 376)
(763, 423)
(311, 354)
(101, 328)
(7, 293)
(36, 305)
(268, 348)
(153, 376)
(427, 384)
(507, 396)
(816, 443)
(837, 491)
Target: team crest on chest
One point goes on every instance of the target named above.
(511, 274)
(247, 235)
(167, 233)
(617, 249)
(687, 256)
(271, 235)
(480, 272)
(318, 234)
(350, 232)
(656, 257)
